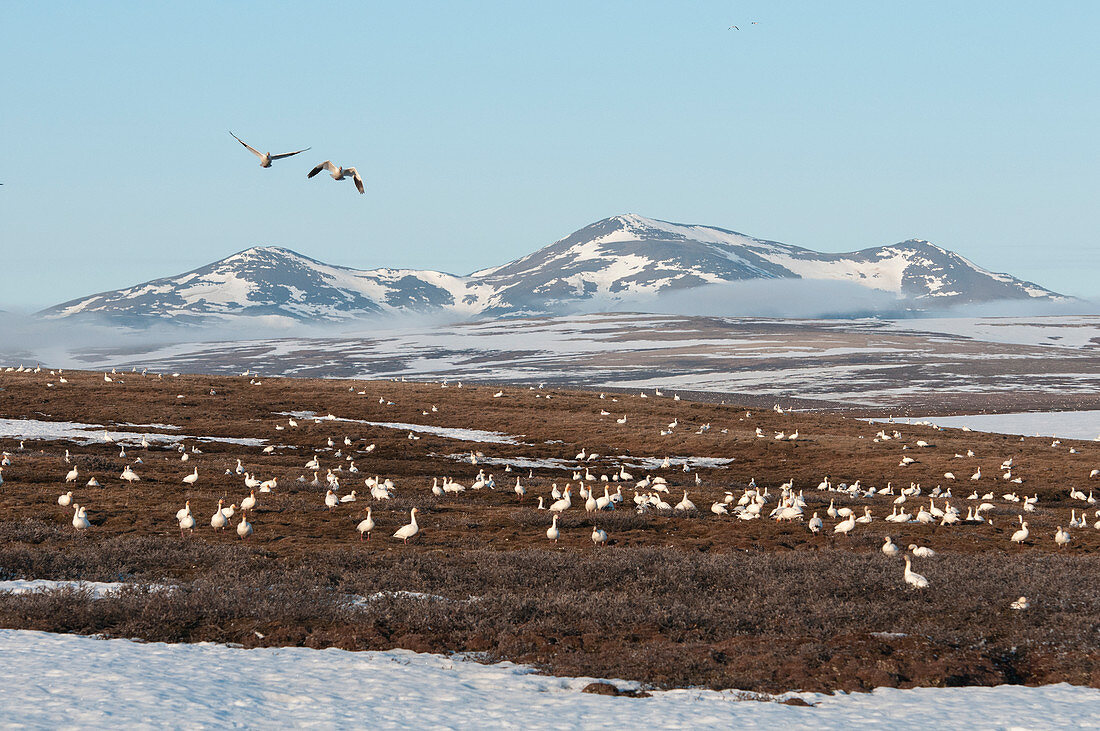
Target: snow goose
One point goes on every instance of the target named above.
(846, 525)
(184, 511)
(815, 524)
(80, 518)
(552, 532)
(590, 504)
(519, 489)
(719, 508)
(563, 504)
(912, 578)
(921, 551)
(266, 158)
(599, 537)
(218, 519)
(339, 173)
(66, 499)
(331, 501)
(129, 475)
(889, 547)
(1062, 537)
(410, 529)
(349, 498)
(1021, 535)
(244, 528)
(192, 478)
(72, 475)
(187, 522)
(1021, 603)
(366, 525)
(606, 502)
(685, 504)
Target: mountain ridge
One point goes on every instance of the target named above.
(621, 259)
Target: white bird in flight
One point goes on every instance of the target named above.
(339, 173)
(265, 157)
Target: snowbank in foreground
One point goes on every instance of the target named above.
(53, 680)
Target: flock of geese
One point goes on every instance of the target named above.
(910, 504)
(337, 172)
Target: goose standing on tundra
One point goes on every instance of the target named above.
(410, 529)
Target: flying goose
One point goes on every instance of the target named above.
(339, 173)
(265, 157)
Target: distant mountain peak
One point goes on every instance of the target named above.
(622, 259)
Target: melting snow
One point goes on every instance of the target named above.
(36, 429)
(465, 435)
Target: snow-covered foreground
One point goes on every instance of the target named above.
(1063, 424)
(65, 680)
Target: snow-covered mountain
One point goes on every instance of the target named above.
(620, 259)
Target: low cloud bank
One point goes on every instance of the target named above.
(821, 299)
(29, 339)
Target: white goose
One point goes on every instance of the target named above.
(410, 529)
(1021, 535)
(339, 173)
(685, 504)
(563, 504)
(187, 522)
(552, 532)
(921, 551)
(889, 547)
(912, 578)
(846, 525)
(80, 518)
(366, 525)
(184, 511)
(331, 501)
(192, 478)
(218, 519)
(73, 474)
(266, 157)
(599, 537)
(66, 499)
(244, 528)
(815, 523)
(249, 502)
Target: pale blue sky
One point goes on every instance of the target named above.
(486, 130)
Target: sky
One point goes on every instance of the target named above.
(486, 130)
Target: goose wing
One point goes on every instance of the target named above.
(356, 177)
(252, 149)
(288, 154)
(326, 165)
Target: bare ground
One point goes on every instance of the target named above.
(676, 599)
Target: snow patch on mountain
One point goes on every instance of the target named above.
(622, 259)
